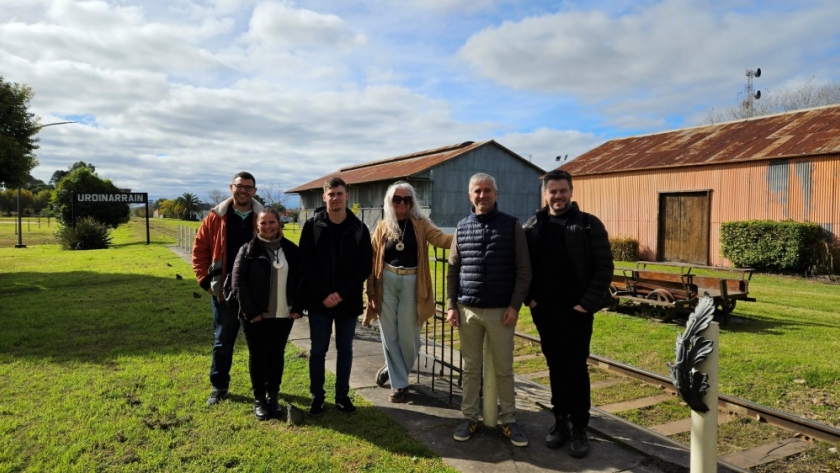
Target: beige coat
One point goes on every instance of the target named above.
(426, 232)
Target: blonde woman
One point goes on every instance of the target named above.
(399, 290)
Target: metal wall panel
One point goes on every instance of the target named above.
(805, 189)
(518, 183)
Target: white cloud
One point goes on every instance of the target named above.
(542, 146)
(450, 5)
(114, 37)
(283, 25)
(655, 49)
(281, 136)
(176, 97)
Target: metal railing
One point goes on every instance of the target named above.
(186, 237)
(438, 348)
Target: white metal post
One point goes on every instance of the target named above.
(704, 425)
(489, 395)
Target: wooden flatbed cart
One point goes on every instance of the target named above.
(663, 294)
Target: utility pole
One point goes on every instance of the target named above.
(20, 224)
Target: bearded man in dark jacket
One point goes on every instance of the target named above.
(572, 268)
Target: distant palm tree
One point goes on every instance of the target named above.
(189, 203)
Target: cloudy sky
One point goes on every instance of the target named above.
(176, 96)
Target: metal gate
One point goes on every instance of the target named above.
(437, 348)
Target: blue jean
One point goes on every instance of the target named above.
(226, 324)
(320, 330)
(398, 325)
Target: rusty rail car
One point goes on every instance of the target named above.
(663, 295)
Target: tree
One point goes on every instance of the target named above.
(216, 196)
(167, 208)
(273, 197)
(41, 201)
(59, 174)
(18, 128)
(82, 180)
(293, 214)
(807, 95)
(27, 202)
(8, 201)
(189, 203)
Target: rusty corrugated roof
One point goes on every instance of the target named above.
(808, 132)
(399, 167)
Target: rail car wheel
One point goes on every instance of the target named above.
(659, 312)
(730, 304)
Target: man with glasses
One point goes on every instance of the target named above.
(226, 228)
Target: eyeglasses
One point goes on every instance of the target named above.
(397, 199)
(240, 187)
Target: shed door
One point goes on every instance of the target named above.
(684, 227)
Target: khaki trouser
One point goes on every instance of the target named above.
(475, 323)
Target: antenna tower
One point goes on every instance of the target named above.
(749, 95)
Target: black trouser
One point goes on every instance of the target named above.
(266, 346)
(565, 335)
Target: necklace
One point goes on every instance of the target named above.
(276, 254)
(400, 245)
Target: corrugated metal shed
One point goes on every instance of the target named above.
(810, 132)
(784, 166)
(402, 167)
(440, 177)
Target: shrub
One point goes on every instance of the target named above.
(87, 235)
(825, 255)
(625, 249)
(784, 247)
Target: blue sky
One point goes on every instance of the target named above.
(177, 96)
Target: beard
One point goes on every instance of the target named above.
(560, 207)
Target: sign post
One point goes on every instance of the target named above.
(105, 198)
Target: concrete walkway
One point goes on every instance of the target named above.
(431, 419)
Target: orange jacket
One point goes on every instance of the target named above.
(209, 253)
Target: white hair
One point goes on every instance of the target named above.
(482, 177)
(392, 226)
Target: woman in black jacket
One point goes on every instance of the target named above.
(266, 276)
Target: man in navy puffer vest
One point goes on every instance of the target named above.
(488, 280)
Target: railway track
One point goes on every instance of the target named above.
(800, 433)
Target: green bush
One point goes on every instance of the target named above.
(87, 235)
(625, 249)
(782, 247)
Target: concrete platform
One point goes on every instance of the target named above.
(431, 418)
(432, 412)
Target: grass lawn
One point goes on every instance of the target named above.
(780, 351)
(103, 366)
(36, 231)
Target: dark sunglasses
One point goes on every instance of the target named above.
(397, 199)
